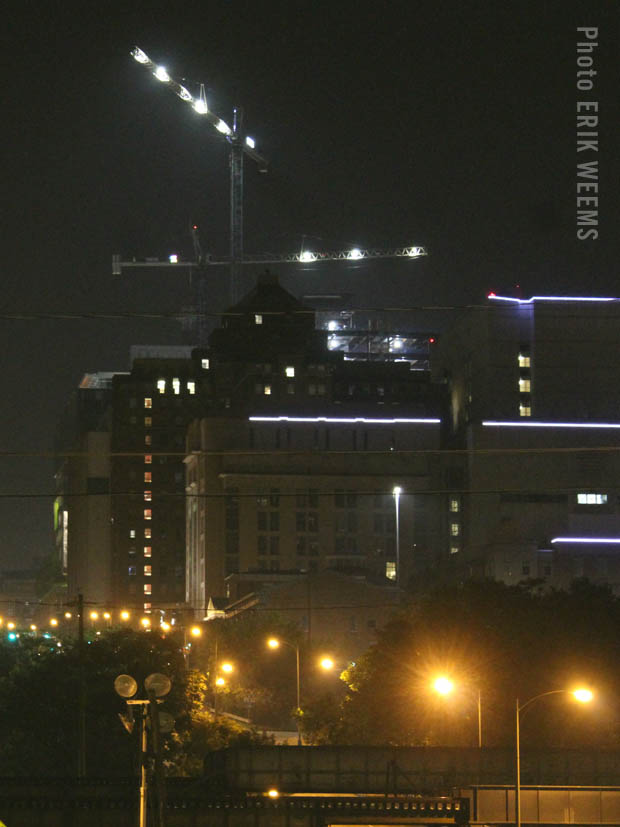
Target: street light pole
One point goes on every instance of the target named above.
(397, 491)
(273, 643)
(479, 719)
(581, 695)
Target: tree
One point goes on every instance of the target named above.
(39, 689)
(507, 642)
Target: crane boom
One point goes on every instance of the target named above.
(304, 257)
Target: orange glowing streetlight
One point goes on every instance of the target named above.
(580, 694)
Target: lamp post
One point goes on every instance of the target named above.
(584, 696)
(397, 491)
(274, 643)
(444, 686)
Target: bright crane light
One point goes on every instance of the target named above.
(356, 253)
(161, 74)
(139, 55)
(223, 127)
(306, 255)
(250, 142)
(200, 106)
(184, 94)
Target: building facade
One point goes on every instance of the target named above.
(535, 425)
(305, 459)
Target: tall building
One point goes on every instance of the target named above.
(150, 411)
(119, 513)
(306, 458)
(535, 409)
(82, 509)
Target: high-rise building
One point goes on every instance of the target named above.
(535, 410)
(306, 458)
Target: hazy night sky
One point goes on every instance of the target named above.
(447, 124)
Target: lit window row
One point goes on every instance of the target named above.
(176, 387)
(591, 499)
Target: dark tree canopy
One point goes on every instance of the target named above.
(507, 642)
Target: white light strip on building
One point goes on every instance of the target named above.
(599, 540)
(492, 423)
(341, 420)
(495, 297)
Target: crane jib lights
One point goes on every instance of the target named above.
(341, 420)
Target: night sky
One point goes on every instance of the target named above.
(445, 124)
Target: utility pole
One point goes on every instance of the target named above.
(81, 767)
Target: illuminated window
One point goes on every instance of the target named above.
(148, 476)
(525, 410)
(148, 496)
(205, 364)
(148, 402)
(147, 588)
(454, 549)
(147, 607)
(267, 390)
(591, 499)
(454, 504)
(455, 529)
(132, 532)
(148, 459)
(191, 387)
(176, 385)
(258, 319)
(390, 570)
(147, 533)
(290, 371)
(525, 385)
(161, 385)
(148, 439)
(147, 571)
(147, 514)
(148, 421)
(131, 571)
(524, 361)
(148, 550)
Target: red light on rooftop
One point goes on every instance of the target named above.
(432, 340)
(491, 295)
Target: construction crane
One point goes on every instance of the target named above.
(240, 144)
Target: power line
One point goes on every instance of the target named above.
(137, 495)
(444, 452)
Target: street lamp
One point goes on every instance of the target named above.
(582, 695)
(397, 491)
(444, 686)
(274, 643)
